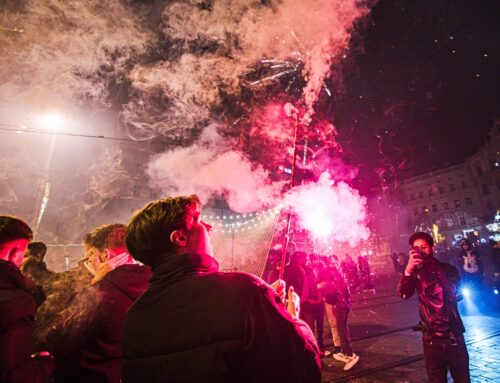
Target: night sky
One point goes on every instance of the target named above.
(200, 86)
(428, 75)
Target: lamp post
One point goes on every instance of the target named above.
(49, 121)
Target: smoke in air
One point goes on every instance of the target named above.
(330, 210)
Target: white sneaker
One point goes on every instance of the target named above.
(351, 361)
(340, 357)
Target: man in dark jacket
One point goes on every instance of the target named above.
(86, 336)
(17, 310)
(435, 282)
(196, 324)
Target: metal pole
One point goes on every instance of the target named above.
(289, 214)
(44, 189)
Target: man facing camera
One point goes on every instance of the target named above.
(436, 285)
(196, 324)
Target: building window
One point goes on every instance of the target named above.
(486, 189)
(457, 203)
(412, 196)
(464, 185)
(415, 212)
(445, 206)
(431, 193)
(498, 185)
(434, 208)
(468, 201)
(461, 219)
(420, 195)
(441, 190)
(449, 221)
(452, 187)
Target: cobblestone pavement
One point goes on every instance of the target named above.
(390, 351)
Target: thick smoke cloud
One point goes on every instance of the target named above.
(208, 168)
(164, 71)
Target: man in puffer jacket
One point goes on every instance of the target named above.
(196, 324)
(18, 302)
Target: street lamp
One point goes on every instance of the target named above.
(51, 121)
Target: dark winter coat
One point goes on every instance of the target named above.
(334, 287)
(195, 324)
(86, 336)
(17, 311)
(436, 285)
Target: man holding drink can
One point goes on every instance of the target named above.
(441, 325)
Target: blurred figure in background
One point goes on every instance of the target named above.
(335, 289)
(34, 267)
(312, 305)
(350, 271)
(365, 275)
(471, 267)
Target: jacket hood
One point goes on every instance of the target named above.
(130, 279)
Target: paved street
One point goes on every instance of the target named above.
(391, 352)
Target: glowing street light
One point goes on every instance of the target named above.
(51, 121)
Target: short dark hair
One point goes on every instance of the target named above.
(13, 228)
(149, 229)
(108, 236)
(421, 235)
(37, 249)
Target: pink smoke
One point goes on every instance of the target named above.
(330, 210)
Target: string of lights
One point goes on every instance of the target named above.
(234, 224)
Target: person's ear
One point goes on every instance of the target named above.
(178, 238)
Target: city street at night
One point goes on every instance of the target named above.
(391, 352)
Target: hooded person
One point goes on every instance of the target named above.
(86, 336)
(18, 303)
(197, 324)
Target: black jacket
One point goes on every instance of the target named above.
(86, 336)
(195, 324)
(17, 311)
(436, 285)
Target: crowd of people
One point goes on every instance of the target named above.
(147, 303)
(324, 285)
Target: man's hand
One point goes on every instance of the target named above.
(293, 306)
(104, 268)
(413, 263)
(280, 287)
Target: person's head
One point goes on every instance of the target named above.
(104, 242)
(36, 250)
(168, 226)
(423, 241)
(465, 245)
(15, 236)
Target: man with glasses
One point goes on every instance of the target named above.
(436, 285)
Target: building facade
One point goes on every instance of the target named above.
(461, 199)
